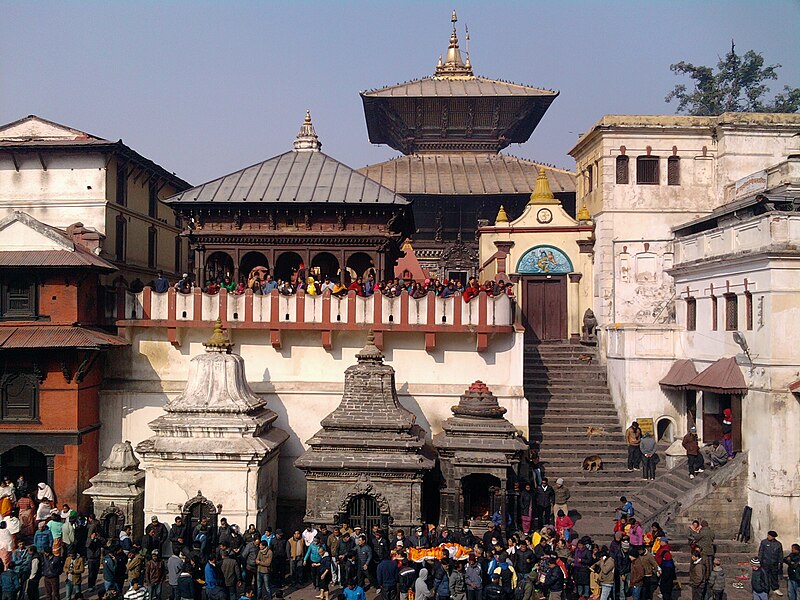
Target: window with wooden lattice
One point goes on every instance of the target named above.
(623, 169)
(748, 310)
(647, 170)
(674, 170)
(691, 314)
(731, 312)
(714, 313)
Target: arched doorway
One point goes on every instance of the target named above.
(218, 264)
(479, 491)
(325, 265)
(25, 461)
(360, 264)
(665, 429)
(198, 507)
(287, 264)
(249, 261)
(112, 520)
(363, 510)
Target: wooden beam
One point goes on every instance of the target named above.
(41, 161)
(14, 159)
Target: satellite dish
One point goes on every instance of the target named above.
(738, 337)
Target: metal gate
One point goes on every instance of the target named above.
(364, 511)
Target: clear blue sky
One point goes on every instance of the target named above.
(205, 88)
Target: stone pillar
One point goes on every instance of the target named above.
(118, 489)
(574, 306)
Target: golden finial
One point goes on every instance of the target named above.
(453, 66)
(219, 341)
(502, 216)
(307, 120)
(454, 18)
(583, 214)
(541, 192)
(407, 247)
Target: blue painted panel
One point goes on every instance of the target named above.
(544, 260)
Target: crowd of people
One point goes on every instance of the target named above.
(261, 283)
(642, 450)
(538, 555)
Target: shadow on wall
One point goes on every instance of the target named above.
(409, 402)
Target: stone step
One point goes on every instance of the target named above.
(544, 370)
(566, 387)
(578, 443)
(569, 431)
(559, 414)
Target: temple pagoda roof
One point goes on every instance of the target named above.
(466, 173)
(303, 175)
(454, 110)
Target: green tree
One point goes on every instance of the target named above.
(738, 85)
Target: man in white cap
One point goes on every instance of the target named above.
(562, 496)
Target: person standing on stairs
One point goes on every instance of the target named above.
(698, 575)
(633, 437)
(691, 444)
(544, 498)
(793, 572)
(770, 553)
(649, 457)
(562, 496)
(759, 581)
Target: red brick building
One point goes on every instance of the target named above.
(51, 354)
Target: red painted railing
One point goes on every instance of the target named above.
(481, 316)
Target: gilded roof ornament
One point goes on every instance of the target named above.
(219, 341)
(541, 192)
(454, 66)
(502, 216)
(583, 214)
(307, 139)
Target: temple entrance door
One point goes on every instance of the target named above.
(363, 510)
(24, 460)
(480, 497)
(544, 312)
(198, 507)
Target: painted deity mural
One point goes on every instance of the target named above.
(544, 260)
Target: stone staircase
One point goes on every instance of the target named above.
(567, 395)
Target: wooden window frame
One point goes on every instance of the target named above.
(178, 254)
(640, 171)
(33, 406)
(674, 170)
(714, 313)
(691, 313)
(5, 300)
(120, 239)
(152, 247)
(590, 178)
(748, 311)
(122, 184)
(623, 170)
(731, 312)
(152, 198)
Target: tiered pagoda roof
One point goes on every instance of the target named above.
(454, 110)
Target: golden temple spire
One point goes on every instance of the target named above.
(454, 66)
(541, 192)
(502, 216)
(307, 139)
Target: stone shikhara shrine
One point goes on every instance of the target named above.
(369, 453)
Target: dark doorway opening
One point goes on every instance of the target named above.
(197, 508)
(325, 265)
(250, 261)
(364, 511)
(287, 265)
(480, 497)
(24, 460)
(218, 265)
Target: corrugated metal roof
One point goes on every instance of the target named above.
(477, 86)
(45, 336)
(680, 374)
(296, 177)
(53, 258)
(444, 174)
(722, 377)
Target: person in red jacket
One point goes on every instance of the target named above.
(727, 432)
